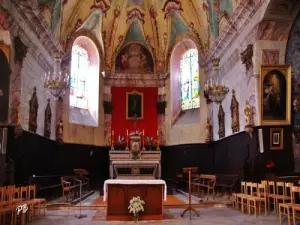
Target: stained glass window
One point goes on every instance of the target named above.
(79, 71)
(189, 74)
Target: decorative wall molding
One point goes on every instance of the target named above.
(270, 56)
(30, 12)
(20, 49)
(246, 57)
(230, 63)
(136, 80)
(35, 45)
(240, 18)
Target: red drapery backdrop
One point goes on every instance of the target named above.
(120, 124)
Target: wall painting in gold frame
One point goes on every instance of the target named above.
(275, 95)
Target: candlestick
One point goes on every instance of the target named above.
(112, 141)
(127, 149)
(143, 149)
(157, 141)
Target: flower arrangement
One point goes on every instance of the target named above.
(136, 206)
(270, 164)
(135, 152)
(120, 140)
(150, 141)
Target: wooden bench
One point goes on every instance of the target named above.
(225, 183)
(205, 182)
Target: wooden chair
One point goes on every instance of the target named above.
(251, 189)
(37, 202)
(25, 200)
(66, 188)
(283, 194)
(271, 194)
(6, 210)
(237, 196)
(295, 207)
(285, 208)
(258, 200)
(205, 183)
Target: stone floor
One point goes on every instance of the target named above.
(209, 216)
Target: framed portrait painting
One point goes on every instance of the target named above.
(275, 95)
(276, 138)
(134, 105)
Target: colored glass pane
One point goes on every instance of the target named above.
(79, 69)
(189, 73)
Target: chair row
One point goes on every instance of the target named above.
(268, 192)
(253, 197)
(19, 204)
(290, 208)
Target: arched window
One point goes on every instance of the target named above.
(79, 71)
(189, 77)
(84, 84)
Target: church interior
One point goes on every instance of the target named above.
(156, 111)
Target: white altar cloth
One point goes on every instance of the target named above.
(117, 181)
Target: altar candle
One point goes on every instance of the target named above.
(157, 132)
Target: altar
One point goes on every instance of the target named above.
(135, 162)
(122, 166)
(118, 194)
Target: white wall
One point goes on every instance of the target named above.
(31, 77)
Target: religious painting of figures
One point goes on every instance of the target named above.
(275, 89)
(134, 105)
(134, 58)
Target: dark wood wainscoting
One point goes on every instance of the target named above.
(35, 155)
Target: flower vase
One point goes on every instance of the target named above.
(136, 218)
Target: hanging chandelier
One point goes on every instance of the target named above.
(215, 89)
(57, 83)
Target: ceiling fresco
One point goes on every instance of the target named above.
(156, 24)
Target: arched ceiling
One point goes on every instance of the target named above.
(156, 24)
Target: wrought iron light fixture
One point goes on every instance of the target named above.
(56, 83)
(215, 89)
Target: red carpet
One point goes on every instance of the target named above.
(171, 200)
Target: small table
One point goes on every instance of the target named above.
(118, 194)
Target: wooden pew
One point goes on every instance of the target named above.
(205, 182)
(225, 183)
(82, 174)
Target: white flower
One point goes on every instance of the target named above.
(136, 205)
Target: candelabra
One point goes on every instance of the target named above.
(56, 83)
(214, 89)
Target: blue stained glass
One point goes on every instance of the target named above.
(189, 73)
(79, 70)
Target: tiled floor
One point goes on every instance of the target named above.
(209, 216)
